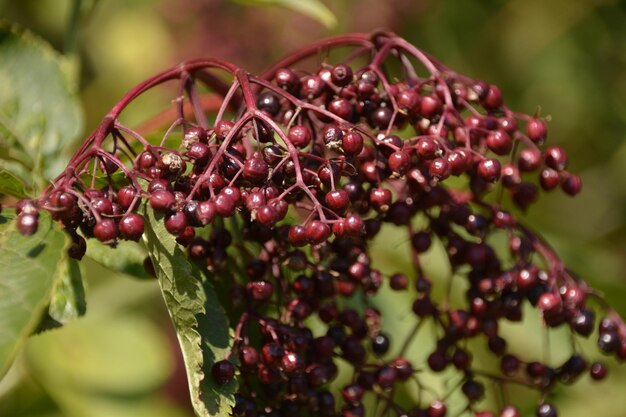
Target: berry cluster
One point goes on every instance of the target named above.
(308, 162)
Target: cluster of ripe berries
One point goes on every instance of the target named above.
(281, 191)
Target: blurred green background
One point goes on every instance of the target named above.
(567, 56)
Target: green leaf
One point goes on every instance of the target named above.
(68, 298)
(40, 114)
(31, 267)
(200, 321)
(314, 9)
(11, 185)
(127, 257)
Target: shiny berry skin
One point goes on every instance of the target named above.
(499, 142)
(287, 79)
(105, 230)
(300, 136)
(223, 372)
(380, 198)
(380, 344)
(256, 170)
(399, 162)
(199, 153)
(338, 200)
(131, 226)
(126, 195)
(176, 222)
(509, 411)
(489, 170)
(437, 409)
(225, 206)
(341, 75)
(222, 129)
(556, 158)
(529, 160)
(342, 108)
(430, 106)
(427, 148)
(537, 130)
(407, 100)
(546, 410)
(269, 103)
(312, 87)
(27, 223)
(162, 200)
(205, 212)
(439, 169)
(352, 143)
(598, 371)
(572, 184)
(260, 290)
(297, 235)
(317, 232)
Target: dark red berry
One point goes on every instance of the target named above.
(300, 136)
(131, 226)
(598, 371)
(260, 290)
(437, 409)
(105, 230)
(287, 79)
(176, 222)
(297, 235)
(352, 143)
(546, 410)
(399, 162)
(499, 142)
(269, 103)
(572, 184)
(223, 371)
(489, 170)
(162, 200)
(537, 130)
(317, 232)
(337, 200)
(27, 223)
(341, 75)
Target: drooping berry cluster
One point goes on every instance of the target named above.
(308, 164)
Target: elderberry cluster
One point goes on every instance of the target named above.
(279, 183)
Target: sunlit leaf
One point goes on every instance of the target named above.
(31, 266)
(200, 321)
(11, 185)
(127, 257)
(40, 114)
(68, 298)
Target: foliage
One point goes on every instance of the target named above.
(121, 260)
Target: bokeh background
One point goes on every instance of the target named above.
(567, 56)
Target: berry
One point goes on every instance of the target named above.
(546, 410)
(162, 200)
(352, 143)
(131, 226)
(338, 200)
(537, 130)
(105, 230)
(380, 344)
(341, 75)
(256, 170)
(598, 371)
(176, 222)
(223, 372)
(489, 170)
(27, 223)
(300, 136)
